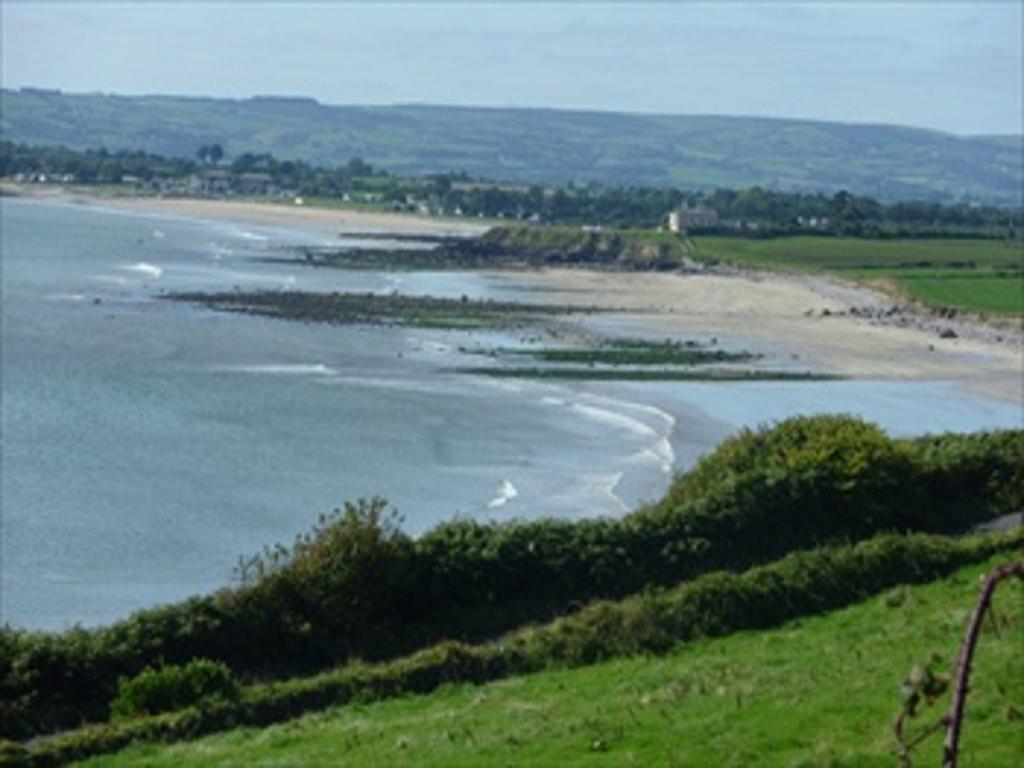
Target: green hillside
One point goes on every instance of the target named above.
(766, 698)
(538, 145)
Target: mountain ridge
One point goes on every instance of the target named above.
(539, 145)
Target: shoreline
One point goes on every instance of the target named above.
(783, 315)
(332, 220)
(803, 318)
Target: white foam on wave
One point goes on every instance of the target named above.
(660, 453)
(158, 234)
(665, 416)
(66, 297)
(144, 268)
(613, 419)
(548, 400)
(506, 493)
(115, 279)
(281, 369)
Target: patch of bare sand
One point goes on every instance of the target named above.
(327, 220)
(771, 311)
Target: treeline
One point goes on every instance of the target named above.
(754, 212)
(358, 587)
(91, 166)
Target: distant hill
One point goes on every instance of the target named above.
(539, 145)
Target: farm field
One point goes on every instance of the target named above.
(977, 275)
(754, 698)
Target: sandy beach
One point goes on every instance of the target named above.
(802, 318)
(786, 313)
(268, 214)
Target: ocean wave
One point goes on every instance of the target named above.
(665, 416)
(144, 268)
(158, 234)
(115, 279)
(613, 419)
(506, 493)
(660, 453)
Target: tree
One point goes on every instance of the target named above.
(210, 153)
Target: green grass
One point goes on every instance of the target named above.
(818, 691)
(977, 275)
(995, 295)
(845, 253)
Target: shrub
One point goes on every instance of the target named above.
(172, 687)
(830, 475)
(357, 587)
(715, 604)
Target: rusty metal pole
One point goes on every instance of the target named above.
(962, 671)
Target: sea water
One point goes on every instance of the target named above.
(147, 444)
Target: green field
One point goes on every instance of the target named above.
(994, 295)
(538, 145)
(818, 691)
(979, 275)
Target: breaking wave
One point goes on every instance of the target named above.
(144, 268)
(506, 493)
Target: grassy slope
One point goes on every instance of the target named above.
(818, 691)
(538, 144)
(980, 275)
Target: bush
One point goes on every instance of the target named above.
(715, 604)
(357, 587)
(829, 475)
(171, 687)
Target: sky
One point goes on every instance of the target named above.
(945, 65)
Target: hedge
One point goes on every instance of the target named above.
(715, 604)
(358, 587)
